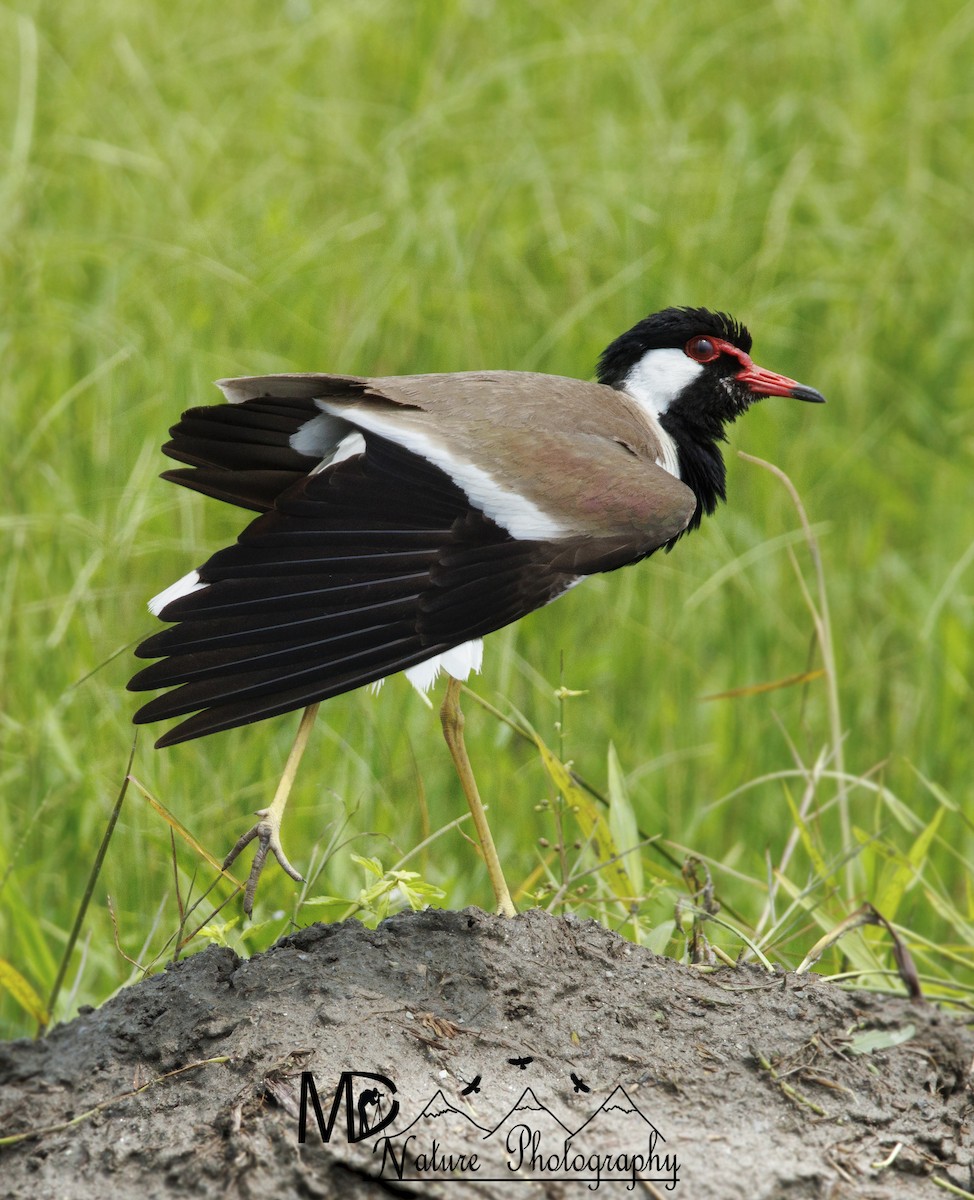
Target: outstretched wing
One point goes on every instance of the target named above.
(358, 572)
(380, 545)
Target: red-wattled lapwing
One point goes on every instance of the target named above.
(403, 518)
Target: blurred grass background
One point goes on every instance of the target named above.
(191, 191)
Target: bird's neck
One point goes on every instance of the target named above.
(701, 462)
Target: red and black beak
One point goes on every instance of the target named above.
(759, 381)
(767, 383)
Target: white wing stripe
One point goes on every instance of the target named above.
(513, 512)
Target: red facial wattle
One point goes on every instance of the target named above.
(759, 381)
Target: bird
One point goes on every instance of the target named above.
(401, 519)
(522, 1064)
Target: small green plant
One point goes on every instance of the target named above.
(389, 892)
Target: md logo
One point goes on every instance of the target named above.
(363, 1104)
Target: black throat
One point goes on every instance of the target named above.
(701, 462)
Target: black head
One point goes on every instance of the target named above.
(691, 370)
(670, 329)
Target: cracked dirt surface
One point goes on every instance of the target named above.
(492, 1032)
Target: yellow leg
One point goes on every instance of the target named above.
(452, 720)
(268, 829)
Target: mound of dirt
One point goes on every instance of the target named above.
(532, 1057)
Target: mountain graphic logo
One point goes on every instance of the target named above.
(617, 1121)
(529, 1108)
(437, 1114)
(530, 1142)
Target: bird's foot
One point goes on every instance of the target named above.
(268, 834)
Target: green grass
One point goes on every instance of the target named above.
(381, 187)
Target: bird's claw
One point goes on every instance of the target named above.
(268, 835)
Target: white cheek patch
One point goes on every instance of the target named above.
(654, 383)
(513, 512)
(659, 377)
(182, 587)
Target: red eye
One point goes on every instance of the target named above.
(701, 349)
